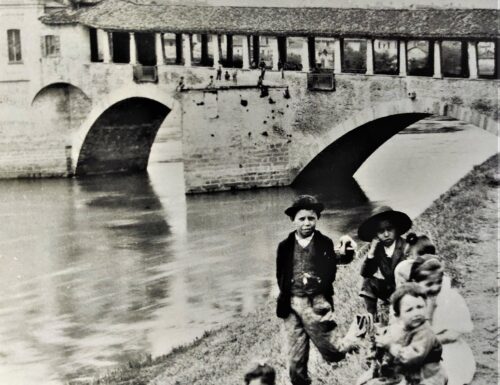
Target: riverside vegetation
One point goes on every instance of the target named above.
(463, 225)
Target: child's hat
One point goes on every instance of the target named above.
(369, 227)
(304, 202)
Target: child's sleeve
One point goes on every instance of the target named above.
(417, 351)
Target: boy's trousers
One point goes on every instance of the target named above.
(311, 319)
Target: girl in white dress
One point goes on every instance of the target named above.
(450, 318)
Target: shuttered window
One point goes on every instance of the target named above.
(14, 45)
(50, 46)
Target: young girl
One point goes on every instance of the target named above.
(414, 352)
(449, 316)
(415, 247)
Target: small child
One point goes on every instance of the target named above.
(416, 247)
(383, 230)
(413, 349)
(261, 374)
(449, 317)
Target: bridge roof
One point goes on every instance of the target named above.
(127, 15)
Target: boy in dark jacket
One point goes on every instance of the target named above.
(306, 269)
(386, 250)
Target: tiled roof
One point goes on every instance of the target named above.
(121, 15)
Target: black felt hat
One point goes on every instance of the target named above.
(304, 202)
(368, 228)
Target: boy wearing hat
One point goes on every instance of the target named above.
(383, 230)
(306, 269)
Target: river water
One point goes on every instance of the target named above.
(98, 271)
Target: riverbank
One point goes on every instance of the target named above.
(463, 224)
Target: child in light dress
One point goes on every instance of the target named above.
(450, 318)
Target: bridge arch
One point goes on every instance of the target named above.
(119, 131)
(143, 106)
(341, 150)
(60, 108)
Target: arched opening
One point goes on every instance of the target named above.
(341, 159)
(60, 106)
(120, 139)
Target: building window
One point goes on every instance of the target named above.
(172, 44)
(14, 45)
(323, 52)
(486, 59)
(454, 58)
(354, 56)
(268, 55)
(295, 48)
(385, 57)
(120, 49)
(202, 52)
(419, 57)
(50, 46)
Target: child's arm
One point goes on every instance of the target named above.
(448, 336)
(416, 352)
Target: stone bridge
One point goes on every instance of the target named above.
(88, 112)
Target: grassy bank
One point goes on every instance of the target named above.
(463, 224)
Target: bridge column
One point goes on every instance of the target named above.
(186, 49)
(337, 57)
(246, 52)
(276, 53)
(106, 50)
(437, 60)
(305, 55)
(369, 56)
(159, 48)
(472, 54)
(133, 49)
(216, 49)
(402, 58)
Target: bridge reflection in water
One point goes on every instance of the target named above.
(101, 270)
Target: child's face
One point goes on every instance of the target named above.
(386, 233)
(412, 311)
(305, 222)
(432, 285)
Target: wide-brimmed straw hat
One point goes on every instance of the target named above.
(304, 202)
(400, 221)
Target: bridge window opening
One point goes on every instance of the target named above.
(120, 47)
(454, 58)
(229, 56)
(254, 51)
(202, 52)
(324, 53)
(486, 54)
(238, 51)
(172, 48)
(94, 47)
(295, 50)
(268, 51)
(386, 57)
(14, 46)
(146, 54)
(50, 46)
(354, 55)
(419, 55)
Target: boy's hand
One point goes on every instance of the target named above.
(346, 243)
(373, 246)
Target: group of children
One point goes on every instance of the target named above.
(419, 327)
